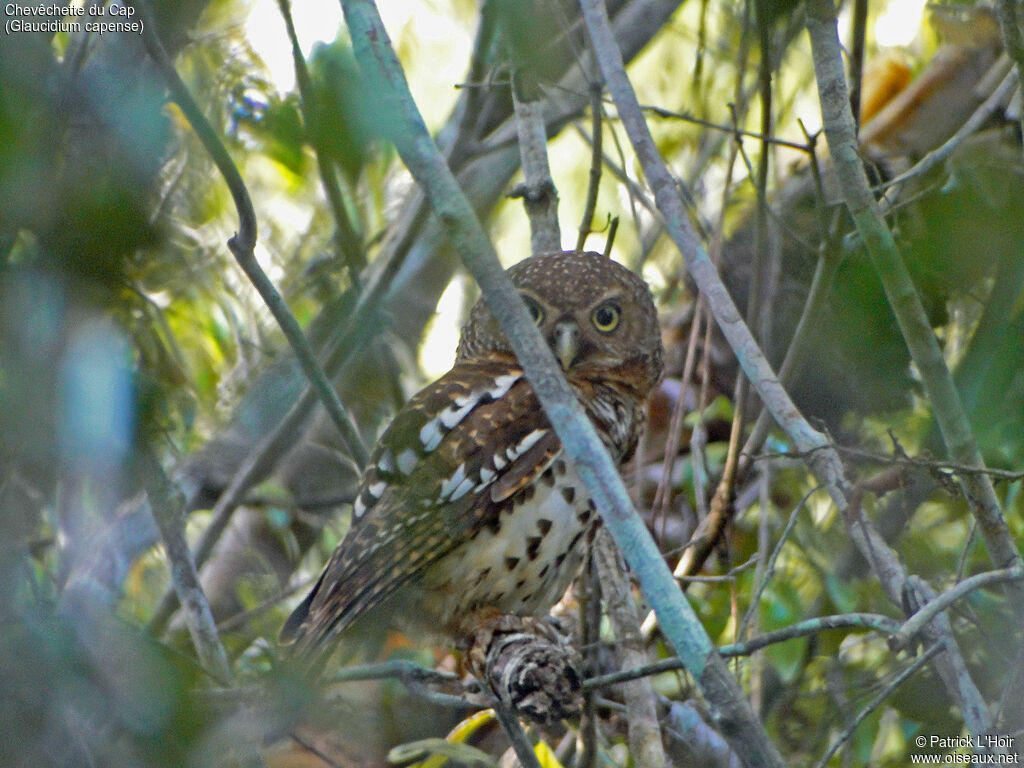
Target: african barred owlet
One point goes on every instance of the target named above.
(468, 509)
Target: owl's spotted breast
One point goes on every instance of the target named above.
(522, 562)
(468, 504)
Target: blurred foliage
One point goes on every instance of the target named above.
(125, 322)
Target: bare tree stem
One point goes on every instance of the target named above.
(641, 703)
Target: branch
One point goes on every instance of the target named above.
(885, 693)
(902, 639)
(594, 184)
(641, 704)
(995, 100)
(167, 503)
(243, 243)
(540, 196)
(1011, 22)
(823, 461)
(346, 238)
(769, 570)
(577, 434)
(517, 736)
(360, 325)
(804, 628)
(947, 407)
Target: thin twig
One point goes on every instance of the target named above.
(312, 749)
(167, 503)
(769, 570)
(662, 112)
(238, 619)
(399, 669)
(663, 494)
(885, 693)
(825, 271)
(995, 100)
(591, 619)
(348, 241)
(928, 465)
(516, 736)
(1011, 23)
(859, 34)
(594, 184)
(804, 628)
(635, 191)
(726, 578)
(932, 608)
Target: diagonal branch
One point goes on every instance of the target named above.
(243, 243)
(168, 510)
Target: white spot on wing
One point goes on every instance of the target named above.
(430, 435)
(462, 489)
(407, 461)
(486, 476)
(386, 463)
(500, 462)
(463, 404)
(524, 445)
(358, 507)
(502, 384)
(377, 489)
(448, 486)
(452, 416)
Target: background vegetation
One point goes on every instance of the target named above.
(149, 403)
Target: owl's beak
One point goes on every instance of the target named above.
(566, 343)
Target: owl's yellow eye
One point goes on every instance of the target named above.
(534, 308)
(606, 317)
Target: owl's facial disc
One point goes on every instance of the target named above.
(565, 342)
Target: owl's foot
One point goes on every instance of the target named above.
(530, 666)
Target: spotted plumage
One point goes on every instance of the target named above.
(467, 506)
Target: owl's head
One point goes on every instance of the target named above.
(595, 314)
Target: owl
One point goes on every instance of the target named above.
(468, 510)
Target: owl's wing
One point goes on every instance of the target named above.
(448, 465)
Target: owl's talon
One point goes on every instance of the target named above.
(528, 666)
